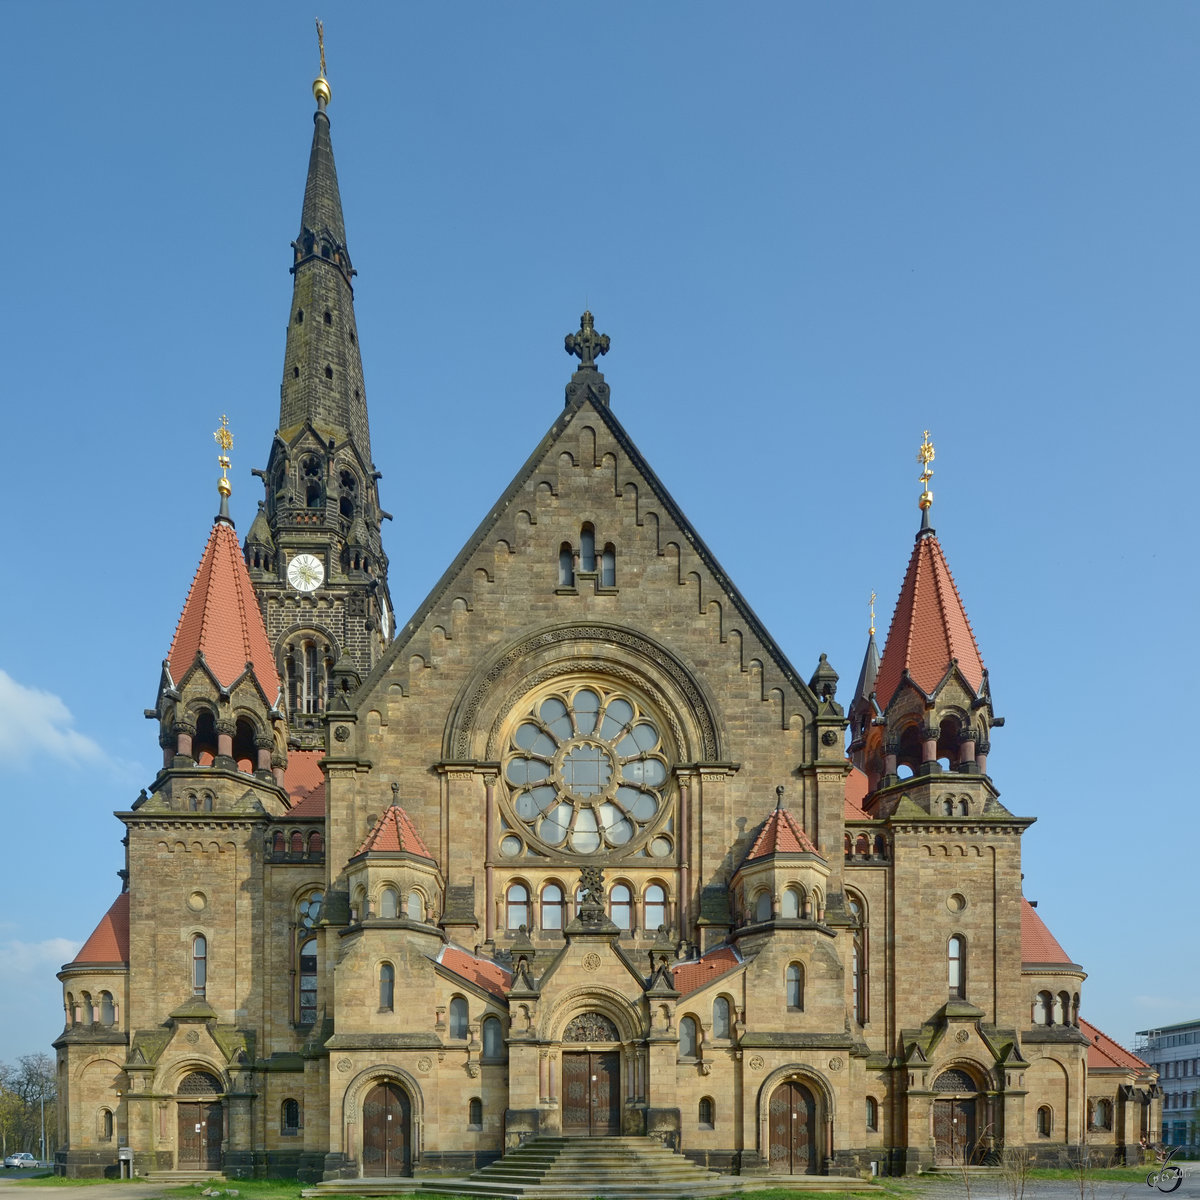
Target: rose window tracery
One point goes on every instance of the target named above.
(587, 769)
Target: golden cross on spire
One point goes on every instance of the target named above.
(925, 457)
(224, 439)
(872, 614)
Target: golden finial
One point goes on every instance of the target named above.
(224, 439)
(925, 457)
(321, 90)
(872, 614)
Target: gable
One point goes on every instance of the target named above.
(587, 471)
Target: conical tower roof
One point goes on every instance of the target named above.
(869, 673)
(930, 629)
(394, 833)
(221, 619)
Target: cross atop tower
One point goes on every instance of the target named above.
(587, 345)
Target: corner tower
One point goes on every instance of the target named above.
(314, 550)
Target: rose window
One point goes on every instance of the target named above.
(587, 769)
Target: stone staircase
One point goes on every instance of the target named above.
(581, 1168)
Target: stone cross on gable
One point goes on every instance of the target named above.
(587, 345)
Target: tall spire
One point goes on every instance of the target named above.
(317, 537)
(930, 630)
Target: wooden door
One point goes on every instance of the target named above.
(387, 1137)
(792, 1130)
(591, 1091)
(201, 1126)
(954, 1131)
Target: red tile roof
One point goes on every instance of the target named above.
(856, 793)
(221, 619)
(479, 971)
(109, 942)
(1104, 1052)
(304, 782)
(691, 976)
(1038, 944)
(394, 833)
(780, 835)
(929, 628)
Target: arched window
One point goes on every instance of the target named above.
(872, 1113)
(516, 906)
(608, 566)
(1042, 1006)
(297, 843)
(415, 908)
(1062, 1009)
(655, 907)
(204, 744)
(1104, 1113)
(475, 1113)
(72, 1016)
(279, 843)
(106, 1125)
(862, 845)
(620, 906)
(458, 1018)
(387, 987)
(553, 906)
(688, 1037)
(308, 981)
(493, 1039)
(956, 955)
(245, 753)
(789, 908)
(199, 965)
(721, 1023)
(1075, 1009)
(358, 910)
(704, 1114)
(762, 906)
(89, 1011)
(307, 676)
(856, 972)
(1045, 1121)
(289, 1118)
(587, 549)
(389, 903)
(108, 1012)
(795, 987)
(566, 566)
(316, 844)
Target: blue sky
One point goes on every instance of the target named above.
(811, 231)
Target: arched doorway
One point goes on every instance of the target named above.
(954, 1136)
(201, 1123)
(792, 1131)
(387, 1131)
(591, 1077)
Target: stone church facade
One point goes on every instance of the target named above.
(576, 850)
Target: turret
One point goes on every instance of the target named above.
(930, 693)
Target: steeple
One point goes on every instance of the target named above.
(930, 685)
(317, 538)
(219, 695)
(862, 709)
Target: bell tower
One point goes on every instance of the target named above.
(314, 551)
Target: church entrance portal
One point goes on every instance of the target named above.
(793, 1130)
(201, 1125)
(387, 1122)
(591, 1105)
(954, 1118)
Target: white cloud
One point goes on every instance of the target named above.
(37, 958)
(34, 724)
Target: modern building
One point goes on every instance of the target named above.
(575, 849)
(1174, 1052)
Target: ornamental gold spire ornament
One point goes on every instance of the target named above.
(872, 607)
(321, 92)
(224, 440)
(925, 457)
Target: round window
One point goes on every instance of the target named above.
(586, 769)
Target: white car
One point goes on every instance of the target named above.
(23, 1159)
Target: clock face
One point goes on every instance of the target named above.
(306, 573)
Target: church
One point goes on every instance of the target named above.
(574, 851)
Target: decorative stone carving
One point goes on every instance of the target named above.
(590, 1027)
(591, 961)
(344, 1065)
(342, 733)
(424, 1064)
(836, 1063)
(756, 1062)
